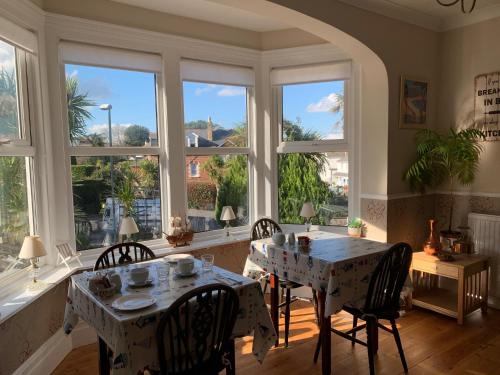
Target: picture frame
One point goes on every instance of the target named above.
(413, 103)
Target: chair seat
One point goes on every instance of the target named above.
(285, 284)
(380, 314)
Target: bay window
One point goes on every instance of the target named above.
(113, 138)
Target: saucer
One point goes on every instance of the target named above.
(135, 284)
(189, 274)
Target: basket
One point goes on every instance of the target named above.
(181, 239)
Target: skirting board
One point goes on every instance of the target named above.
(55, 349)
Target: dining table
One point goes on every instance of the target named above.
(128, 337)
(337, 266)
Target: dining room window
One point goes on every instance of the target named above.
(313, 149)
(112, 130)
(217, 114)
(17, 193)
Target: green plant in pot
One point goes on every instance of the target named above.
(449, 158)
(355, 227)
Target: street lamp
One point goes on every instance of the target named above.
(108, 107)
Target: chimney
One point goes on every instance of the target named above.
(210, 129)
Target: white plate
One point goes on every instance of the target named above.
(133, 302)
(192, 273)
(174, 258)
(135, 284)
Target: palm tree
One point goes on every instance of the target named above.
(8, 103)
(338, 107)
(77, 109)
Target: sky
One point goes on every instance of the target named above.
(132, 95)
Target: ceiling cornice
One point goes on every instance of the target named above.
(428, 21)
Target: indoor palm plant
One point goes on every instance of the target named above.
(445, 159)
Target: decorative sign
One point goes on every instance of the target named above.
(487, 105)
(413, 103)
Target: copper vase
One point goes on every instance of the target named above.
(432, 245)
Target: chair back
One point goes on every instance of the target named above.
(194, 333)
(264, 228)
(388, 279)
(123, 253)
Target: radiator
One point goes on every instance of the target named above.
(486, 236)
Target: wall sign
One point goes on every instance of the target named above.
(487, 105)
(413, 103)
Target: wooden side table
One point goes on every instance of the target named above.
(471, 273)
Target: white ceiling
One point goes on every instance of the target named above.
(429, 14)
(211, 12)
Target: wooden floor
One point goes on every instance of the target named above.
(433, 345)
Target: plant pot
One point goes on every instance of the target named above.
(354, 232)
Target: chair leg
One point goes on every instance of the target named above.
(354, 325)
(370, 343)
(318, 348)
(395, 332)
(287, 315)
(231, 367)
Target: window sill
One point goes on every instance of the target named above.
(15, 295)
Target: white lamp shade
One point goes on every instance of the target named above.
(227, 213)
(307, 210)
(32, 248)
(128, 226)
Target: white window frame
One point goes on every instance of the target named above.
(214, 73)
(347, 144)
(112, 58)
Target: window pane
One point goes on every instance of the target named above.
(321, 178)
(222, 181)
(105, 189)
(313, 111)
(215, 115)
(14, 214)
(103, 101)
(9, 103)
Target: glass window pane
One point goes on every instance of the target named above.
(14, 211)
(313, 111)
(321, 178)
(9, 102)
(215, 115)
(111, 107)
(105, 189)
(222, 181)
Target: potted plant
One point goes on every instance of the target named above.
(355, 227)
(445, 158)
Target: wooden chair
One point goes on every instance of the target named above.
(194, 334)
(265, 228)
(382, 302)
(123, 253)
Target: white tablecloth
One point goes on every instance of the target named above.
(337, 264)
(131, 335)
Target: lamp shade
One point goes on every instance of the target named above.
(32, 248)
(128, 226)
(307, 210)
(227, 213)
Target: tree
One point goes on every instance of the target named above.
(8, 103)
(96, 140)
(78, 113)
(136, 135)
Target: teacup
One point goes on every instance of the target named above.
(139, 275)
(185, 266)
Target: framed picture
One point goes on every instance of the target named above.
(413, 105)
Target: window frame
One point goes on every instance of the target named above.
(211, 151)
(71, 150)
(347, 144)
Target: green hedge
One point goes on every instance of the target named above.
(201, 195)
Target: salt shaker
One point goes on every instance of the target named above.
(291, 239)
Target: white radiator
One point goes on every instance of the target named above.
(486, 235)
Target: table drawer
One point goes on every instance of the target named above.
(440, 269)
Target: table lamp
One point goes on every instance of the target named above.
(128, 227)
(307, 212)
(32, 249)
(227, 215)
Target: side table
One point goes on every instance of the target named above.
(471, 273)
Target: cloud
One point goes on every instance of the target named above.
(206, 88)
(337, 131)
(73, 74)
(117, 132)
(326, 104)
(232, 91)
(7, 58)
(96, 87)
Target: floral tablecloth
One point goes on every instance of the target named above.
(131, 335)
(337, 264)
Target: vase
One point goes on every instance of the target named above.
(432, 245)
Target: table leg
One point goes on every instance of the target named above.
(326, 335)
(275, 287)
(104, 368)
